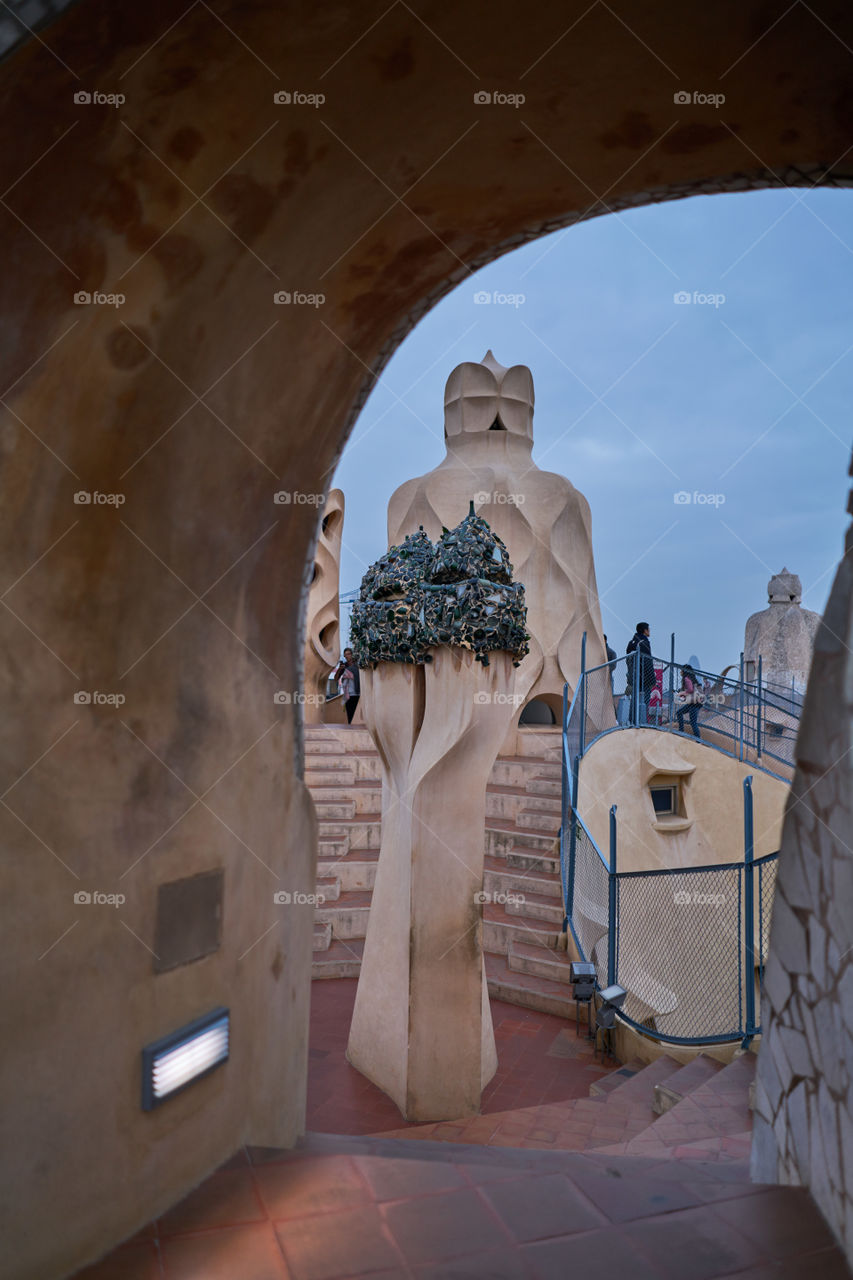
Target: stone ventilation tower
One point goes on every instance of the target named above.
(542, 518)
(323, 632)
(783, 634)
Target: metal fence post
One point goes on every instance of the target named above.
(759, 712)
(611, 903)
(583, 697)
(749, 908)
(740, 711)
(671, 680)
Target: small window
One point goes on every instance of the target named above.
(664, 801)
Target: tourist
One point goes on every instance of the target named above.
(611, 659)
(349, 683)
(641, 685)
(691, 697)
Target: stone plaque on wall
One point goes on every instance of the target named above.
(189, 920)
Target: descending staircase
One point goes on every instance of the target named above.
(522, 920)
(662, 1110)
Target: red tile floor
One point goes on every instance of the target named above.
(381, 1208)
(540, 1060)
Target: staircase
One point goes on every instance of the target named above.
(661, 1110)
(523, 916)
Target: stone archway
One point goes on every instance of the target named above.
(196, 400)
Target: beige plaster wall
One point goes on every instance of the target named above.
(616, 770)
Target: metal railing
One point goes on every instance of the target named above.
(749, 720)
(688, 945)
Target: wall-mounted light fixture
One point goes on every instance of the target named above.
(184, 1056)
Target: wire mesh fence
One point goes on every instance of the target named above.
(766, 870)
(590, 901)
(679, 945)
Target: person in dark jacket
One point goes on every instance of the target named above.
(641, 683)
(611, 659)
(349, 683)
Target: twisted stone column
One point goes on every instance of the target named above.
(422, 1028)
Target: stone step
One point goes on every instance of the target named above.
(340, 960)
(521, 860)
(357, 874)
(601, 1088)
(511, 771)
(535, 820)
(328, 886)
(640, 1087)
(329, 812)
(365, 797)
(540, 962)
(544, 787)
(500, 929)
(347, 917)
(501, 837)
(332, 849)
(504, 881)
(542, 804)
(322, 936)
(554, 755)
(322, 747)
(538, 742)
(527, 991)
(363, 832)
(710, 1114)
(336, 776)
(535, 907)
(672, 1091)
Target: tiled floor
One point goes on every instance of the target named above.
(540, 1060)
(357, 1207)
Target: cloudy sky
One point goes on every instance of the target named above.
(743, 393)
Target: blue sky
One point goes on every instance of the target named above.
(639, 397)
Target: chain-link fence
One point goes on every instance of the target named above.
(679, 943)
(590, 907)
(688, 945)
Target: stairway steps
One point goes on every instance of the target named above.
(341, 959)
(542, 804)
(672, 1091)
(713, 1111)
(601, 1088)
(527, 991)
(536, 907)
(544, 787)
(322, 936)
(356, 874)
(540, 864)
(505, 880)
(541, 962)
(329, 887)
(534, 820)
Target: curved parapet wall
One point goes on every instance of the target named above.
(323, 634)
